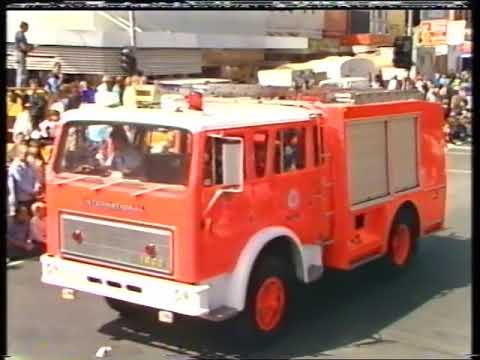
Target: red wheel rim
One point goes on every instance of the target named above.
(270, 304)
(401, 243)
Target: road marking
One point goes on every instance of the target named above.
(463, 147)
(14, 263)
(459, 171)
(459, 153)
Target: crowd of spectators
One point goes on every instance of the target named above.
(453, 91)
(33, 118)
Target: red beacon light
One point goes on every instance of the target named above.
(195, 100)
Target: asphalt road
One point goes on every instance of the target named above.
(366, 313)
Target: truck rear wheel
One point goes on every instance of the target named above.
(268, 303)
(403, 239)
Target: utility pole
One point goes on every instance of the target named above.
(133, 39)
(410, 22)
(414, 48)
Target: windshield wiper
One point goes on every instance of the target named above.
(116, 181)
(153, 188)
(158, 187)
(66, 181)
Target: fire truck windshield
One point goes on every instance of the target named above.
(147, 153)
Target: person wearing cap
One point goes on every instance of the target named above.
(105, 95)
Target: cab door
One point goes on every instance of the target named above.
(227, 216)
(301, 182)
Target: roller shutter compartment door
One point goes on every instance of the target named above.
(367, 161)
(402, 135)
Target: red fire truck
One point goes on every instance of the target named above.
(218, 211)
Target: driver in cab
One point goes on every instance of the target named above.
(125, 157)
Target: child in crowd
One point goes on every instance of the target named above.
(23, 122)
(38, 230)
(35, 160)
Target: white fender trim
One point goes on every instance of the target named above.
(231, 289)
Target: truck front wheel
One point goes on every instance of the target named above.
(268, 302)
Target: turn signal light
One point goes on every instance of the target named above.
(151, 250)
(77, 235)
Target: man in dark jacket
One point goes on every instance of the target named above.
(38, 103)
(74, 99)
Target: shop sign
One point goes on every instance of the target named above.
(441, 32)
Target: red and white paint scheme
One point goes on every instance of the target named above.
(240, 199)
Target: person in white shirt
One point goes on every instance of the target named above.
(107, 84)
(107, 98)
(23, 122)
(393, 83)
(49, 126)
(38, 228)
(432, 95)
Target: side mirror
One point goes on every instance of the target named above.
(232, 162)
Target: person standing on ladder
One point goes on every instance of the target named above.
(22, 48)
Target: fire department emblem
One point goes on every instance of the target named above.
(293, 199)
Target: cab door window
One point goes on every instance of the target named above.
(289, 150)
(212, 160)
(260, 147)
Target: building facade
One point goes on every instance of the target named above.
(168, 42)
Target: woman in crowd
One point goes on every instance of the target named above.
(36, 161)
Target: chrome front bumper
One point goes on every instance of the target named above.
(135, 288)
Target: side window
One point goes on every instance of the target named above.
(212, 171)
(213, 166)
(260, 143)
(318, 145)
(289, 150)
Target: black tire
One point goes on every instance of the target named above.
(406, 219)
(246, 326)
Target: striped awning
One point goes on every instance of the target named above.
(106, 61)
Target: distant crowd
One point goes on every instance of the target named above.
(453, 91)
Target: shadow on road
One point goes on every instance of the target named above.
(341, 309)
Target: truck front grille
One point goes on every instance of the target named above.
(130, 245)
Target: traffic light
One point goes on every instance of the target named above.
(128, 62)
(402, 52)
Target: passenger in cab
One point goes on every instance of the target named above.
(125, 158)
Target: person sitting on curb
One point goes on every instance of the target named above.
(18, 234)
(38, 226)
